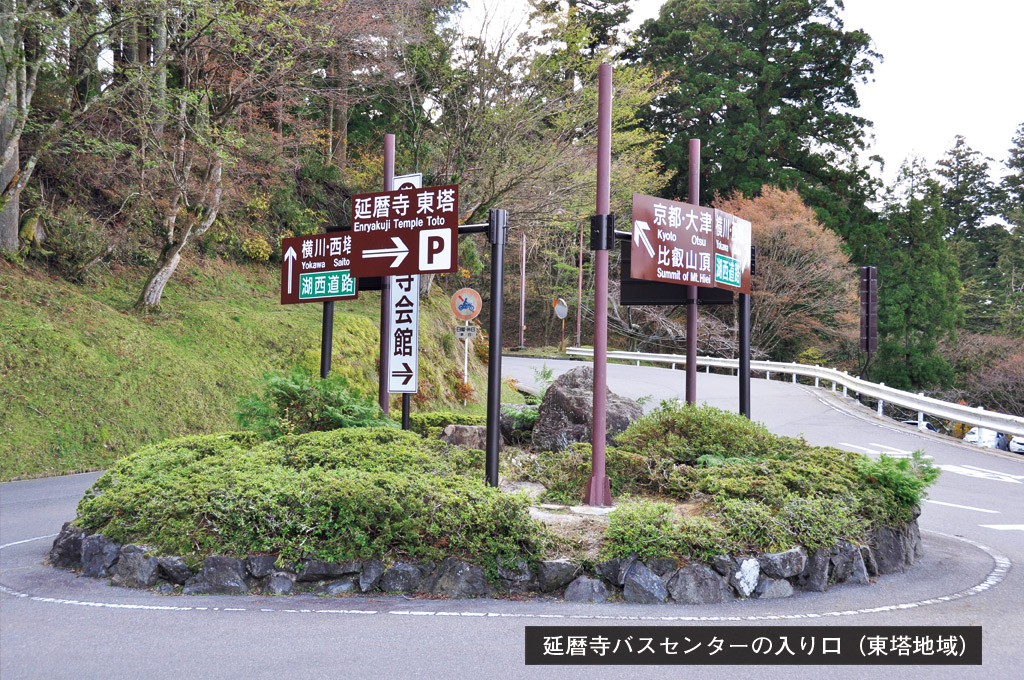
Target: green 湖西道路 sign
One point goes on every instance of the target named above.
(326, 284)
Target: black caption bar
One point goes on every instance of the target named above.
(753, 645)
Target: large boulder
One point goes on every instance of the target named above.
(316, 570)
(99, 555)
(553, 574)
(174, 569)
(586, 589)
(814, 577)
(223, 575)
(770, 588)
(847, 564)
(744, 576)
(894, 550)
(784, 564)
(468, 436)
(372, 572)
(643, 586)
(566, 414)
(517, 577)
(66, 552)
(404, 577)
(136, 568)
(455, 578)
(698, 584)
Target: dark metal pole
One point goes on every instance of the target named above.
(385, 292)
(406, 405)
(691, 291)
(579, 295)
(522, 292)
(497, 234)
(599, 488)
(326, 339)
(744, 313)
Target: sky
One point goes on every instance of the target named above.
(948, 68)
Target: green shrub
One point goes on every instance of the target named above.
(642, 528)
(73, 240)
(753, 526)
(811, 472)
(893, 487)
(565, 473)
(256, 249)
(686, 433)
(296, 403)
(819, 522)
(336, 495)
(430, 423)
(651, 529)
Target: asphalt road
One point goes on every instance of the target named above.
(54, 624)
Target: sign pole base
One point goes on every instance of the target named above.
(599, 492)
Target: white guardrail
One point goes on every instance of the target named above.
(1013, 425)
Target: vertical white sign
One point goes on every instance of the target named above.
(403, 348)
(404, 307)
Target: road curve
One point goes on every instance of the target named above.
(54, 624)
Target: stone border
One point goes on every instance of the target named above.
(652, 581)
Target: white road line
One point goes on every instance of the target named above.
(995, 472)
(892, 449)
(962, 507)
(996, 576)
(27, 540)
(1004, 527)
(854, 446)
(980, 474)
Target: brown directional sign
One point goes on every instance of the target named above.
(317, 268)
(686, 244)
(412, 231)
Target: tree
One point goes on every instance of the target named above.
(230, 60)
(918, 286)
(968, 195)
(49, 39)
(768, 87)
(1012, 185)
(804, 292)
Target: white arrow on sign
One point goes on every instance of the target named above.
(290, 258)
(398, 252)
(640, 229)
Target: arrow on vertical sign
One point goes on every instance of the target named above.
(290, 258)
(640, 229)
(407, 373)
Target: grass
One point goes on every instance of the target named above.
(85, 380)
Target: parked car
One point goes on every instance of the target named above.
(990, 439)
(923, 425)
(1017, 445)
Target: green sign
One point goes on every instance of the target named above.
(727, 270)
(326, 285)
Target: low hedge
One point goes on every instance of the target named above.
(332, 496)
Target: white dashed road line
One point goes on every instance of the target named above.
(1004, 527)
(1001, 567)
(27, 540)
(962, 507)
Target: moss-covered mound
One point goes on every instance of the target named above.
(708, 482)
(349, 493)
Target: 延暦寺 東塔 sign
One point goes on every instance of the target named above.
(412, 231)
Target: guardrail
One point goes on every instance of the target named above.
(1013, 425)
